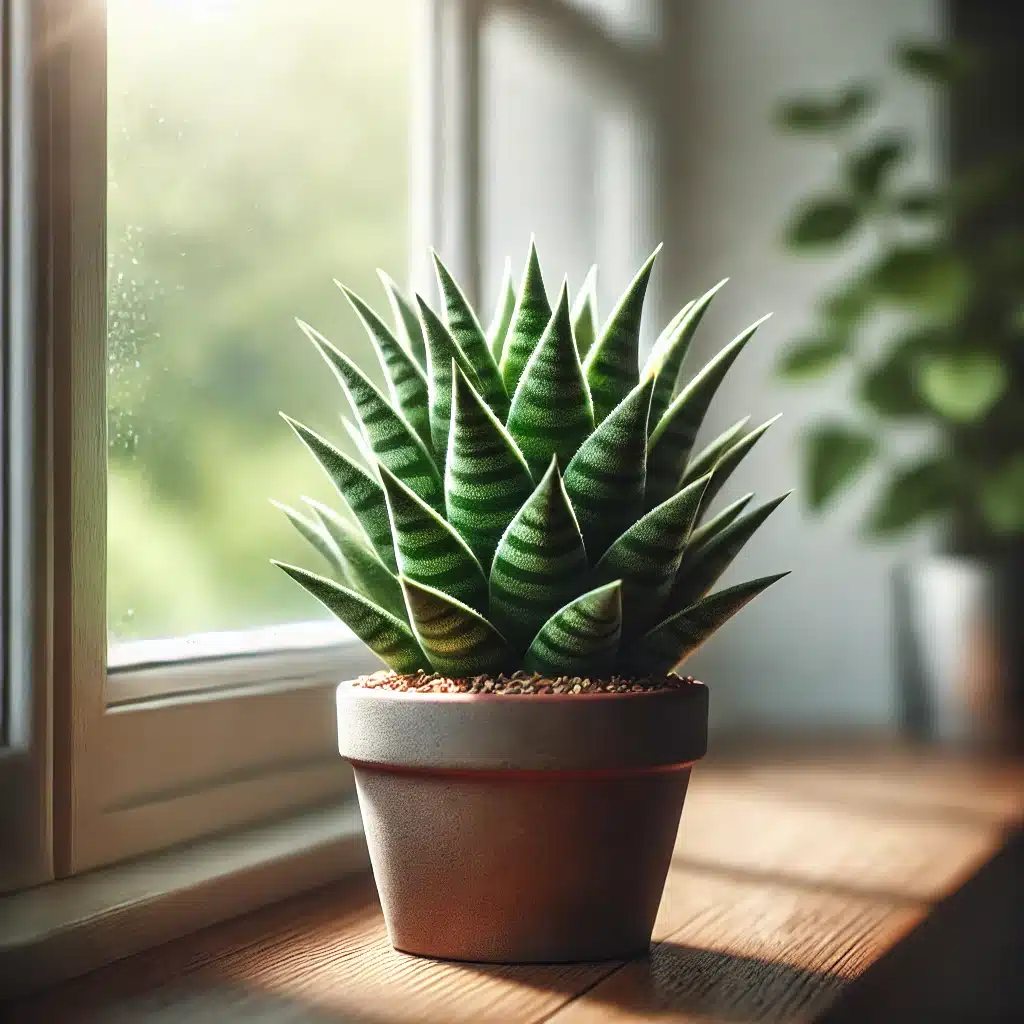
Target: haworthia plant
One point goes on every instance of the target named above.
(407, 323)
(530, 316)
(551, 413)
(678, 636)
(540, 562)
(672, 439)
(387, 636)
(581, 638)
(612, 364)
(361, 566)
(394, 442)
(498, 327)
(363, 495)
(486, 477)
(605, 478)
(469, 336)
(668, 352)
(406, 380)
(529, 499)
(584, 314)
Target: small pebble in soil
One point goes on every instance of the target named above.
(521, 683)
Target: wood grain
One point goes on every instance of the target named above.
(789, 880)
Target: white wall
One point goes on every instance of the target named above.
(816, 650)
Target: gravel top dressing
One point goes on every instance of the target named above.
(518, 683)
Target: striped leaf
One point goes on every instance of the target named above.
(612, 366)
(429, 550)
(707, 458)
(387, 636)
(666, 645)
(369, 575)
(703, 533)
(359, 490)
(394, 442)
(674, 435)
(646, 557)
(540, 562)
(581, 638)
(314, 533)
(551, 411)
(529, 319)
(458, 641)
(361, 445)
(465, 328)
(407, 323)
(670, 349)
(442, 350)
(702, 567)
(732, 457)
(406, 380)
(498, 327)
(605, 478)
(486, 477)
(584, 313)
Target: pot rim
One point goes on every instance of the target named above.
(523, 732)
(552, 698)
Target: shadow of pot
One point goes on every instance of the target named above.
(526, 828)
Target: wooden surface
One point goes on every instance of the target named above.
(790, 879)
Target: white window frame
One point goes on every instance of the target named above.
(108, 765)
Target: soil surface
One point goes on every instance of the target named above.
(519, 683)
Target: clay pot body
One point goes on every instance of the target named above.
(521, 828)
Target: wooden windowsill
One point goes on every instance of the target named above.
(791, 877)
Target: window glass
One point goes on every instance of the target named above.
(257, 150)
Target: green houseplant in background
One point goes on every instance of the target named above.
(940, 279)
(527, 547)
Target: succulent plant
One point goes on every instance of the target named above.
(527, 497)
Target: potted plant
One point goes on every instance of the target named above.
(929, 328)
(521, 549)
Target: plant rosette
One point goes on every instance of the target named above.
(528, 543)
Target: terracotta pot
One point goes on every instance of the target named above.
(525, 828)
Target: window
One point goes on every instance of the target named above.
(191, 175)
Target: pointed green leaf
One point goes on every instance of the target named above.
(584, 314)
(581, 638)
(529, 319)
(702, 567)
(646, 557)
(394, 442)
(429, 550)
(315, 534)
(718, 522)
(612, 366)
(458, 641)
(361, 445)
(674, 435)
(407, 323)
(406, 380)
(551, 411)
(662, 648)
(731, 458)
(388, 637)
(359, 489)
(369, 575)
(498, 326)
(670, 349)
(605, 479)
(486, 477)
(707, 458)
(539, 564)
(465, 328)
(442, 349)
